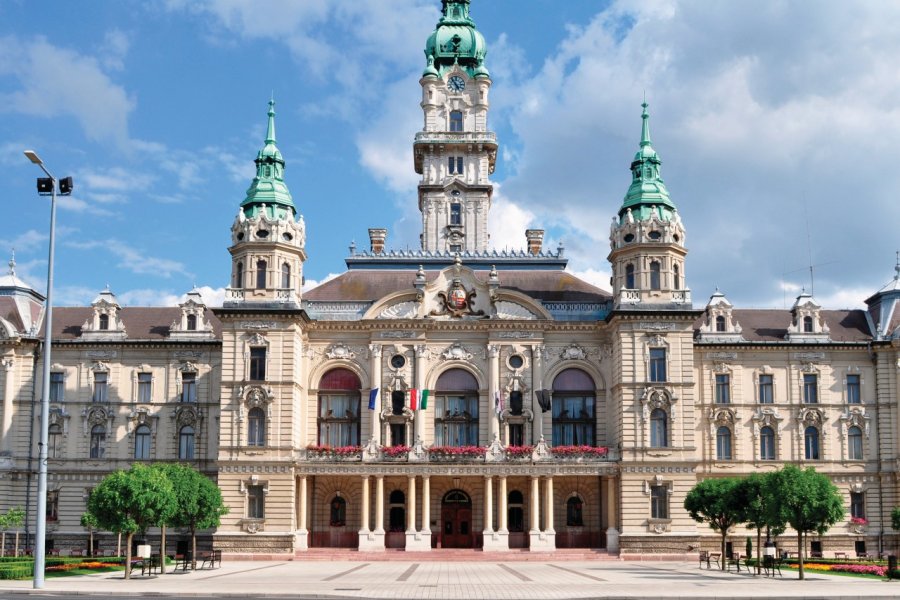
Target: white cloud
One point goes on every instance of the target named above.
(508, 223)
(27, 241)
(55, 81)
(312, 283)
(135, 260)
(113, 50)
(147, 297)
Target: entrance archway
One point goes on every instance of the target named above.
(456, 520)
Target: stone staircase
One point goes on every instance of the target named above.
(454, 555)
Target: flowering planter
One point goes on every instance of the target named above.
(337, 454)
(456, 454)
(579, 453)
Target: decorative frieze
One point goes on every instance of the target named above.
(654, 326)
(259, 325)
(101, 354)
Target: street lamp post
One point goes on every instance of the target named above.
(45, 186)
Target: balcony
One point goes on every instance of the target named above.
(456, 137)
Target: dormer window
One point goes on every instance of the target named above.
(456, 214)
(720, 323)
(192, 322)
(103, 323)
(807, 325)
(456, 121)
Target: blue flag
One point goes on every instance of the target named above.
(372, 395)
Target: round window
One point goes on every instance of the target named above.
(629, 237)
(398, 361)
(287, 236)
(516, 361)
(240, 236)
(654, 235)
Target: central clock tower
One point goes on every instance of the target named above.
(455, 153)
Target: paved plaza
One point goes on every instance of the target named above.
(461, 580)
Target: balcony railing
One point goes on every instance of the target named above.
(462, 137)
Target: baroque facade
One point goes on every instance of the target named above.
(556, 415)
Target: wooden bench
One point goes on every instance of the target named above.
(840, 555)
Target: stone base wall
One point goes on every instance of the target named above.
(658, 545)
(258, 543)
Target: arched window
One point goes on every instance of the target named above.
(339, 408)
(654, 275)
(98, 441)
(629, 277)
(186, 443)
(676, 277)
(192, 322)
(659, 435)
(573, 408)
(574, 510)
(807, 325)
(397, 513)
(854, 443)
(260, 274)
(142, 442)
(338, 512)
(256, 427)
(286, 276)
(720, 323)
(515, 520)
(723, 443)
(104, 322)
(767, 443)
(811, 443)
(54, 441)
(456, 409)
(239, 275)
(456, 120)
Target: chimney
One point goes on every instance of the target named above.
(535, 239)
(376, 239)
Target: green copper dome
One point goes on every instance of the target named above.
(455, 40)
(268, 191)
(647, 191)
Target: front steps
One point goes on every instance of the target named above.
(455, 555)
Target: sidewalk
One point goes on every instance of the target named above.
(467, 580)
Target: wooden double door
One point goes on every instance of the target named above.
(456, 520)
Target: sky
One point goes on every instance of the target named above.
(777, 122)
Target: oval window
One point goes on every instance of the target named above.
(262, 233)
(628, 238)
(287, 236)
(240, 236)
(654, 235)
(516, 361)
(398, 361)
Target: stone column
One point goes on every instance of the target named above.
(368, 540)
(421, 351)
(379, 505)
(416, 540)
(301, 541)
(426, 506)
(375, 377)
(534, 508)
(503, 507)
(364, 526)
(493, 388)
(542, 541)
(548, 512)
(537, 375)
(612, 534)
(488, 506)
(9, 392)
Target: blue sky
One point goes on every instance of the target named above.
(778, 148)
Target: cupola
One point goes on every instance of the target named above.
(456, 41)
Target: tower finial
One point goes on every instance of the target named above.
(897, 267)
(270, 131)
(645, 123)
(12, 263)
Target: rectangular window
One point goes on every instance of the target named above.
(257, 364)
(57, 386)
(455, 165)
(145, 380)
(810, 388)
(189, 387)
(723, 389)
(857, 505)
(52, 505)
(766, 389)
(517, 434)
(853, 396)
(456, 214)
(657, 364)
(101, 387)
(659, 502)
(255, 502)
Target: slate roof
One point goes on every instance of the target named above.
(141, 323)
(361, 285)
(770, 325)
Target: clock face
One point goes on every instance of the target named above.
(456, 84)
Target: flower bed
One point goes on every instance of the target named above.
(519, 452)
(861, 569)
(456, 453)
(579, 451)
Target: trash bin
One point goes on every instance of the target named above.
(892, 566)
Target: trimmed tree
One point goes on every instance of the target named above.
(717, 502)
(89, 522)
(760, 511)
(805, 500)
(14, 519)
(200, 504)
(132, 501)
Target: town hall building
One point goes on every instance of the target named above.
(456, 395)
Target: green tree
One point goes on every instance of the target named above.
(200, 504)
(89, 522)
(13, 519)
(760, 510)
(805, 500)
(132, 501)
(718, 503)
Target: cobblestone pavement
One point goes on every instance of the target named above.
(462, 580)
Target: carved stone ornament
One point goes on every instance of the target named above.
(101, 354)
(100, 366)
(96, 415)
(258, 397)
(187, 416)
(187, 367)
(573, 352)
(722, 416)
(340, 351)
(653, 398)
(257, 340)
(513, 310)
(401, 310)
(457, 302)
(811, 416)
(456, 352)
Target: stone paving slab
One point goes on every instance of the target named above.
(463, 580)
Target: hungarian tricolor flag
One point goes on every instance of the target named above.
(413, 399)
(424, 403)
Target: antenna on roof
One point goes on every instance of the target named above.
(812, 282)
